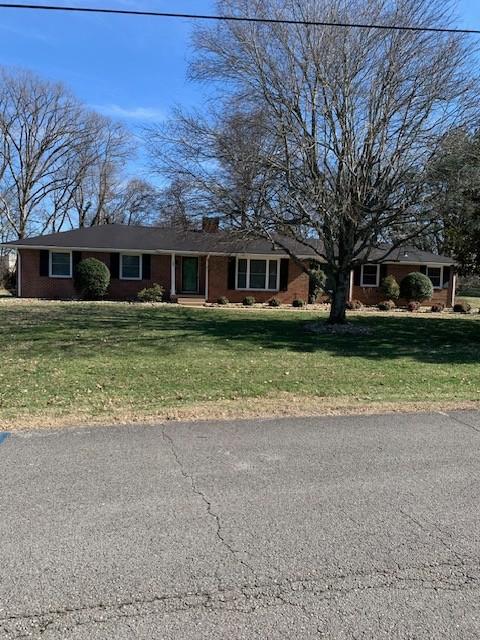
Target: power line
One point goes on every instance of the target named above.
(191, 16)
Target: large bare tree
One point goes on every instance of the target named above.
(350, 117)
(42, 129)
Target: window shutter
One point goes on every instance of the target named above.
(76, 258)
(383, 272)
(232, 263)
(356, 275)
(423, 269)
(44, 263)
(446, 275)
(146, 266)
(284, 267)
(115, 266)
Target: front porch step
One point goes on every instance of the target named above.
(191, 301)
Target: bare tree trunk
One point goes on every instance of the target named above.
(339, 299)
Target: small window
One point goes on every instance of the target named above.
(242, 274)
(131, 267)
(60, 264)
(435, 275)
(370, 275)
(258, 272)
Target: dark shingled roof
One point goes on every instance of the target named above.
(118, 237)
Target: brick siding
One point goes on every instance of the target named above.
(35, 286)
(298, 284)
(374, 295)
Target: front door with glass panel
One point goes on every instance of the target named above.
(190, 275)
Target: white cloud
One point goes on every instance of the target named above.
(130, 113)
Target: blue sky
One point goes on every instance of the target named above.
(131, 68)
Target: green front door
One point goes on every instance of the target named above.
(190, 275)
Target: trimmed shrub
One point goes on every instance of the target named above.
(390, 288)
(354, 305)
(386, 305)
(274, 302)
(92, 279)
(223, 300)
(416, 286)
(462, 307)
(151, 294)
(413, 305)
(318, 280)
(249, 301)
(438, 307)
(298, 303)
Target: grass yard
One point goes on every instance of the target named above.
(67, 363)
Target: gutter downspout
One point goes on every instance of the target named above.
(19, 275)
(350, 289)
(454, 287)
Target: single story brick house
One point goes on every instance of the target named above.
(204, 264)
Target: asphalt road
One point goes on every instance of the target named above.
(364, 527)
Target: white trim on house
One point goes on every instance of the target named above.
(161, 252)
(377, 281)
(249, 257)
(173, 272)
(19, 275)
(453, 290)
(140, 265)
(50, 254)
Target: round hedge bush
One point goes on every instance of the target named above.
(413, 305)
(461, 306)
(274, 302)
(354, 305)
(223, 300)
(248, 301)
(386, 305)
(151, 294)
(416, 287)
(92, 279)
(298, 303)
(390, 288)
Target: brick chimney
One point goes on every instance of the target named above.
(210, 224)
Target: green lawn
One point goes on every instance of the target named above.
(114, 361)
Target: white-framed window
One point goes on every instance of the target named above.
(130, 266)
(60, 264)
(259, 274)
(370, 276)
(436, 276)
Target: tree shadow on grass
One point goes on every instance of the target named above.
(83, 331)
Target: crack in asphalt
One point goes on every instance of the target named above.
(248, 598)
(462, 422)
(213, 514)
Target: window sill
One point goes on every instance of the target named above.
(60, 277)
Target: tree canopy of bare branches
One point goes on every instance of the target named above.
(349, 119)
(60, 163)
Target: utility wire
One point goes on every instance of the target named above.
(191, 16)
